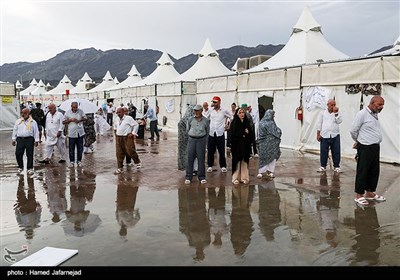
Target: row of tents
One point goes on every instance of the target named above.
(302, 76)
(207, 65)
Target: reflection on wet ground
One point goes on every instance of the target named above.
(148, 217)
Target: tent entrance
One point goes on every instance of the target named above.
(264, 103)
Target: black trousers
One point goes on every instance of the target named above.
(110, 119)
(25, 144)
(216, 142)
(368, 168)
(154, 129)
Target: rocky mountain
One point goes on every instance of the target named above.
(74, 63)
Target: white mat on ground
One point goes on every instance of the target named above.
(48, 256)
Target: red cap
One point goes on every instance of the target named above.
(216, 98)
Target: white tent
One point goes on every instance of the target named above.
(208, 64)
(235, 66)
(351, 82)
(107, 83)
(145, 90)
(37, 93)
(123, 91)
(133, 78)
(395, 49)
(63, 85)
(311, 86)
(173, 98)
(306, 45)
(56, 94)
(98, 92)
(18, 85)
(25, 94)
(81, 85)
(164, 73)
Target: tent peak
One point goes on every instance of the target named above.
(165, 59)
(306, 22)
(107, 76)
(207, 49)
(134, 71)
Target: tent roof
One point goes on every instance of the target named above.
(235, 66)
(208, 49)
(62, 86)
(164, 73)
(33, 82)
(41, 88)
(208, 64)
(81, 84)
(107, 82)
(306, 22)
(306, 45)
(133, 71)
(18, 85)
(32, 87)
(164, 60)
(133, 78)
(86, 78)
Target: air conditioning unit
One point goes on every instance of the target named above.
(90, 86)
(258, 59)
(242, 64)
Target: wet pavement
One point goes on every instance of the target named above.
(149, 217)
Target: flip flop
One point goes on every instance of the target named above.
(377, 197)
(361, 201)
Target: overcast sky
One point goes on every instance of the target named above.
(34, 31)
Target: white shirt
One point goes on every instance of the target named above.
(110, 110)
(217, 121)
(366, 128)
(328, 124)
(75, 129)
(53, 126)
(127, 125)
(21, 129)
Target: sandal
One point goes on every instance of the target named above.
(321, 169)
(118, 171)
(361, 201)
(377, 197)
(236, 182)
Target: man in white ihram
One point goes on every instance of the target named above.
(54, 134)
